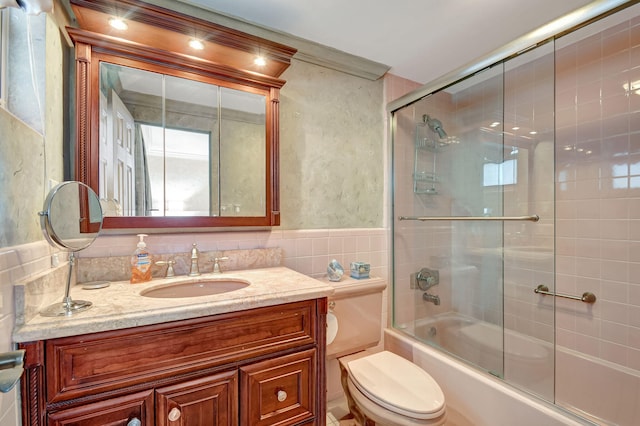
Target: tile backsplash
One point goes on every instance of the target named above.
(305, 251)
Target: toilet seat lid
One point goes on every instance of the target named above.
(397, 385)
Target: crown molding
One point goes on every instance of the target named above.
(308, 51)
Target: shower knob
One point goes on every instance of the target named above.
(427, 278)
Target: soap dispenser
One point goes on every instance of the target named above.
(141, 262)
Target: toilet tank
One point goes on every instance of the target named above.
(357, 305)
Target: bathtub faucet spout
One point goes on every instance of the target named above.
(433, 298)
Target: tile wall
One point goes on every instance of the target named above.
(419, 244)
(597, 201)
(598, 190)
(306, 251)
(16, 264)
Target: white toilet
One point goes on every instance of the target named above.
(382, 388)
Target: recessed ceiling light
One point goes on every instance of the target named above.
(494, 124)
(196, 44)
(533, 132)
(118, 24)
(260, 61)
(515, 128)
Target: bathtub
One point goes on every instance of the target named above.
(525, 361)
(488, 400)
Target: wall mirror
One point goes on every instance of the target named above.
(171, 146)
(168, 137)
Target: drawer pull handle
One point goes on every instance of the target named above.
(174, 414)
(134, 422)
(282, 395)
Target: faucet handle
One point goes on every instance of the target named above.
(216, 265)
(427, 278)
(170, 272)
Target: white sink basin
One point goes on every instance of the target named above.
(195, 288)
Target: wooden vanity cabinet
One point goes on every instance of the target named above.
(259, 367)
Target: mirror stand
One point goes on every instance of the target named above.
(71, 221)
(68, 306)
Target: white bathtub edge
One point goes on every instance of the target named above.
(476, 395)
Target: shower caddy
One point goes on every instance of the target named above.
(425, 177)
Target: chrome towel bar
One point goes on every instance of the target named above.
(587, 296)
(532, 218)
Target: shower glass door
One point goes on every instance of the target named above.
(552, 306)
(528, 250)
(495, 162)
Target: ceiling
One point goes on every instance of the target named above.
(420, 40)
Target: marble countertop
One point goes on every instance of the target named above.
(121, 306)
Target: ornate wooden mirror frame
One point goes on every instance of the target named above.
(158, 38)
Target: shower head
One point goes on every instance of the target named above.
(435, 125)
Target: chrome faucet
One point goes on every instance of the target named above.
(433, 298)
(195, 270)
(424, 280)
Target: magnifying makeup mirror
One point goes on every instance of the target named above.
(71, 220)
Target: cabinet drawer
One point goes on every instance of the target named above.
(113, 412)
(279, 391)
(111, 360)
(210, 401)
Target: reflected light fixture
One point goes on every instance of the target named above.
(634, 87)
(260, 61)
(196, 44)
(118, 23)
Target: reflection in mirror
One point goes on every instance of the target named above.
(71, 220)
(72, 216)
(174, 154)
(171, 146)
(242, 153)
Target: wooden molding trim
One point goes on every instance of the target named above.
(307, 50)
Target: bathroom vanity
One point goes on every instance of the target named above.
(254, 356)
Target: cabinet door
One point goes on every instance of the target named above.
(210, 401)
(279, 391)
(130, 410)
